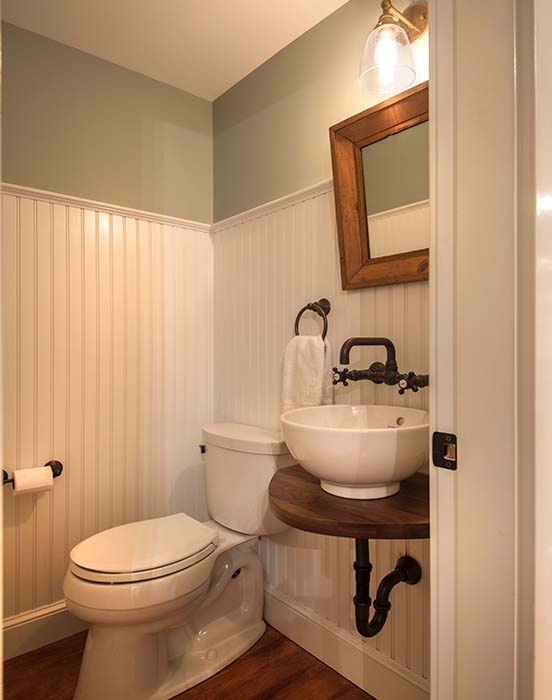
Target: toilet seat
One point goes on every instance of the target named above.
(143, 575)
(143, 550)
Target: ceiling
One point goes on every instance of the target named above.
(200, 46)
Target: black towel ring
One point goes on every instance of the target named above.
(322, 307)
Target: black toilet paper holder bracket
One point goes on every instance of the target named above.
(54, 464)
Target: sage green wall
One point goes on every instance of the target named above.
(76, 124)
(396, 170)
(271, 128)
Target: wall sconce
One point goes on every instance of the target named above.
(387, 63)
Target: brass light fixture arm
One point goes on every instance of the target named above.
(413, 20)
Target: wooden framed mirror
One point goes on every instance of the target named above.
(380, 161)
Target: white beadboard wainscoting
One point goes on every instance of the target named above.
(114, 323)
(108, 364)
(399, 230)
(268, 263)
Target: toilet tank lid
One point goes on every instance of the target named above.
(245, 438)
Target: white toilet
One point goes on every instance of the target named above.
(171, 601)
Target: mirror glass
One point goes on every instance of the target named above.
(396, 191)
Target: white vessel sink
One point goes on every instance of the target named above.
(359, 452)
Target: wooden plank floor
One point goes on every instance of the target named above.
(274, 669)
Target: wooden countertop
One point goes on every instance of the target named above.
(297, 499)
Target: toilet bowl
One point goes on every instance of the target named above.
(171, 601)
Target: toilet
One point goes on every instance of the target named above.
(171, 601)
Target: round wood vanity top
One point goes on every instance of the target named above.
(297, 499)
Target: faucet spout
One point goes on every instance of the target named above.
(390, 365)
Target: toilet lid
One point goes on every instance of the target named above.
(143, 550)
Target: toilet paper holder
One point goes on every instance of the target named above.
(55, 466)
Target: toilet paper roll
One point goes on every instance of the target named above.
(32, 480)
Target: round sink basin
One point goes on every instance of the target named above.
(359, 452)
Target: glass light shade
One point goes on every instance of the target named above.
(387, 63)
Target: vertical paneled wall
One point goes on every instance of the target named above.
(108, 364)
(268, 264)
(107, 367)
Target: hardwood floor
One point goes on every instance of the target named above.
(274, 669)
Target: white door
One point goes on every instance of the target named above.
(473, 366)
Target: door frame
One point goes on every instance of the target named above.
(543, 348)
(473, 349)
(442, 338)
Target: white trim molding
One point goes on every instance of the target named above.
(404, 208)
(288, 200)
(368, 668)
(66, 199)
(284, 202)
(36, 628)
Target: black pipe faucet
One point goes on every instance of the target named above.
(378, 372)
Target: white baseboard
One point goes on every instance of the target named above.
(36, 628)
(369, 669)
(373, 672)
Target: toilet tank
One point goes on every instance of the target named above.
(240, 461)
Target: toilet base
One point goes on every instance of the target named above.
(158, 661)
(138, 658)
(195, 668)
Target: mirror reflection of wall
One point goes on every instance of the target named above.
(396, 190)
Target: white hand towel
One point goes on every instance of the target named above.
(307, 374)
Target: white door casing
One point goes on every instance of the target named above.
(473, 348)
(442, 347)
(543, 347)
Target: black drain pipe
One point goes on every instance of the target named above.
(407, 570)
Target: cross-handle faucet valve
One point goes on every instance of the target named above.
(378, 372)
